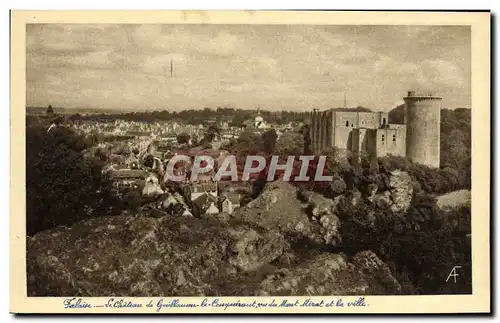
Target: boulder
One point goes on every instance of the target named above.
(397, 197)
(454, 200)
(278, 207)
(332, 274)
(144, 256)
(401, 188)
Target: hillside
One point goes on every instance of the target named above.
(281, 243)
(189, 257)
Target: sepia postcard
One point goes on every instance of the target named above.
(250, 162)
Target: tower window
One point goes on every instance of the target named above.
(394, 138)
(383, 121)
(347, 123)
(383, 138)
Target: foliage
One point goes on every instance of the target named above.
(269, 141)
(96, 138)
(420, 246)
(62, 187)
(211, 133)
(290, 144)
(431, 180)
(148, 161)
(132, 199)
(183, 138)
(248, 143)
(306, 135)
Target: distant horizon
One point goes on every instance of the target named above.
(117, 110)
(277, 67)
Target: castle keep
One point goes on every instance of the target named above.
(371, 133)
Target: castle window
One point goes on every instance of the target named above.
(394, 138)
(383, 138)
(383, 121)
(347, 123)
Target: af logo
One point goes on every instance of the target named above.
(454, 274)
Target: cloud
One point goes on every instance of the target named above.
(444, 72)
(292, 67)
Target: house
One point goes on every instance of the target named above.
(166, 201)
(128, 178)
(185, 212)
(152, 187)
(195, 190)
(212, 208)
(132, 162)
(229, 202)
(205, 204)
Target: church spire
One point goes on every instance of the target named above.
(171, 68)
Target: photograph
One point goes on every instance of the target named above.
(271, 161)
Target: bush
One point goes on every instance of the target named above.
(62, 187)
(421, 247)
(431, 180)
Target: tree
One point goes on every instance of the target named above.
(269, 141)
(306, 133)
(50, 110)
(183, 138)
(289, 144)
(397, 115)
(247, 143)
(211, 132)
(62, 186)
(101, 155)
(148, 161)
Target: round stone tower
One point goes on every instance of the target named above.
(423, 120)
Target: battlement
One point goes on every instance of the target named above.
(417, 96)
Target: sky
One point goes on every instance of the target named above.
(274, 67)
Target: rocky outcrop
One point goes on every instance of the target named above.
(143, 256)
(278, 207)
(323, 211)
(263, 248)
(333, 274)
(455, 209)
(398, 196)
(401, 188)
(178, 256)
(454, 200)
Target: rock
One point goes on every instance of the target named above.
(222, 216)
(332, 274)
(401, 190)
(399, 195)
(278, 207)
(356, 198)
(251, 250)
(382, 200)
(181, 280)
(454, 200)
(369, 265)
(455, 209)
(372, 191)
(144, 256)
(331, 229)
